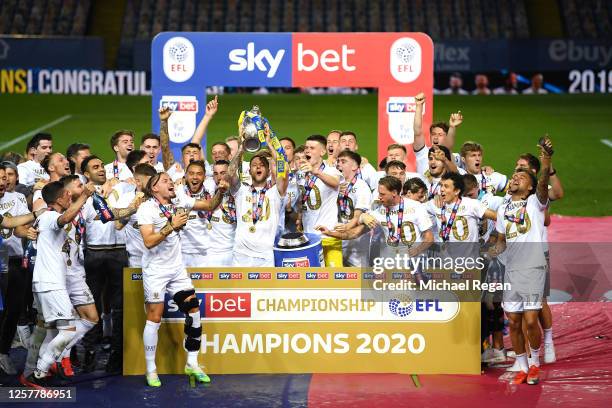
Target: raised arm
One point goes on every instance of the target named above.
(556, 188)
(14, 222)
(164, 137)
(213, 202)
(453, 123)
(76, 206)
(419, 138)
(211, 109)
(545, 160)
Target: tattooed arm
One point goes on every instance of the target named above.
(164, 137)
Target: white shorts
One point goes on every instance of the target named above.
(79, 292)
(156, 282)
(251, 261)
(526, 289)
(55, 305)
(219, 259)
(198, 260)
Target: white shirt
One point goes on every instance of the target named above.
(488, 226)
(166, 255)
(74, 244)
(221, 236)
(451, 91)
(502, 91)
(30, 172)
(465, 227)
(50, 266)
(321, 207)
(415, 221)
(195, 236)
(159, 167)
(101, 235)
(176, 172)
(12, 205)
(495, 182)
(524, 246)
(369, 175)
(124, 172)
(359, 198)
(134, 244)
(260, 243)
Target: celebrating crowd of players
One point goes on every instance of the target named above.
(171, 215)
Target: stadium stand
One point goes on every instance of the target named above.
(587, 18)
(45, 17)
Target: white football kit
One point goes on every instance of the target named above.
(320, 207)
(162, 266)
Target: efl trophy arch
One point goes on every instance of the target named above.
(400, 65)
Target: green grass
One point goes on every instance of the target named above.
(506, 126)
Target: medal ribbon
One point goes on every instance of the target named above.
(257, 203)
(343, 198)
(116, 169)
(231, 205)
(309, 184)
(521, 218)
(206, 195)
(165, 210)
(483, 181)
(79, 224)
(395, 234)
(448, 225)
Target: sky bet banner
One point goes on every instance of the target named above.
(308, 320)
(400, 65)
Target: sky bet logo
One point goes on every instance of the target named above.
(228, 275)
(180, 106)
(345, 275)
(317, 275)
(214, 305)
(399, 107)
(259, 275)
(287, 275)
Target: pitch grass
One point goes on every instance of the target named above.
(505, 125)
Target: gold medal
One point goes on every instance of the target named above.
(252, 229)
(69, 262)
(209, 226)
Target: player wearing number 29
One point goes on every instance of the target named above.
(160, 219)
(520, 226)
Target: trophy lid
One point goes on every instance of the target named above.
(292, 240)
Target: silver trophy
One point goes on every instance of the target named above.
(250, 128)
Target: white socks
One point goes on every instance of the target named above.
(548, 338)
(53, 350)
(150, 344)
(535, 356)
(192, 356)
(82, 327)
(522, 362)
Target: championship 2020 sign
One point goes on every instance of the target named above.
(305, 320)
(400, 65)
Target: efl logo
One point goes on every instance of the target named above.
(260, 275)
(317, 275)
(345, 275)
(228, 275)
(201, 276)
(137, 276)
(179, 59)
(262, 60)
(287, 275)
(303, 262)
(227, 305)
(405, 60)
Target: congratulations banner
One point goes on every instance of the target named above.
(400, 65)
(266, 320)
